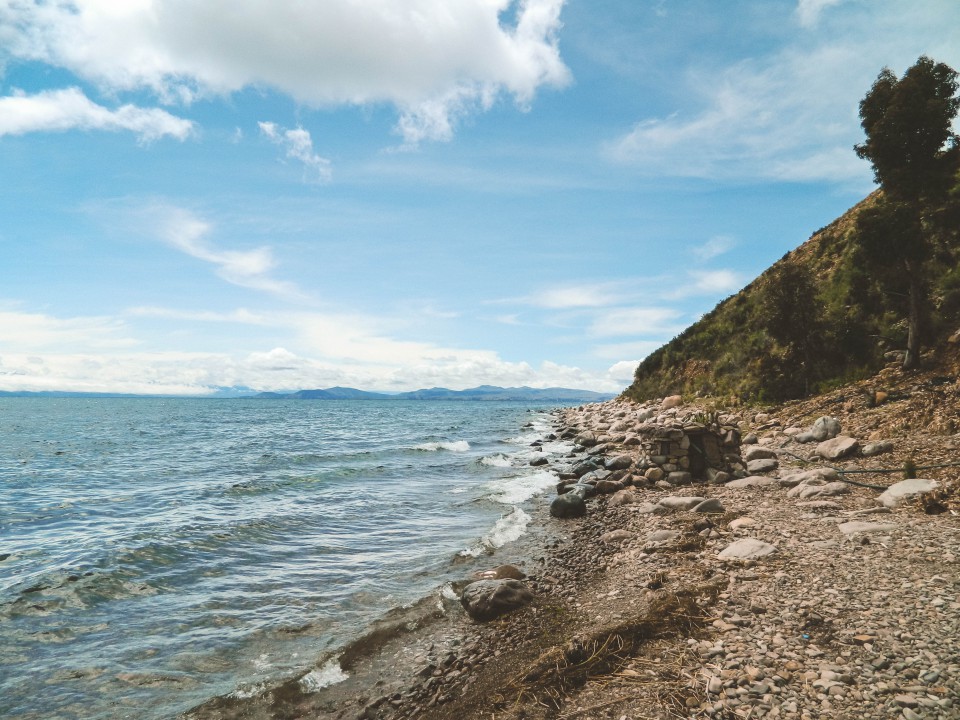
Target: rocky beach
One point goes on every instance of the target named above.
(706, 562)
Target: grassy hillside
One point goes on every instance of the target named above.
(815, 319)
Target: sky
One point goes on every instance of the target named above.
(402, 194)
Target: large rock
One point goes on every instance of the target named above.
(877, 448)
(759, 452)
(800, 478)
(568, 505)
(583, 467)
(489, 599)
(620, 462)
(747, 549)
(623, 497)
(586, 439)
(671, 402)
(905, 490)
(825, 428)
(839, 447)
(710, 505)
(755, 467)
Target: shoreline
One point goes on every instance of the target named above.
(631, 627)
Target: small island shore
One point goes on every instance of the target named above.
(830, 605)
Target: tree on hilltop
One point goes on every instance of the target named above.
(914, 153)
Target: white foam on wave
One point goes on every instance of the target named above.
(330, 674)
(498, 460)
(507, 529)
(514, 490)
(245, 692)
(453, 446)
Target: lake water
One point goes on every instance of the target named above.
(157, 552)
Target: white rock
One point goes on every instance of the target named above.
(854, 527)
(747, 549)
(905, 490)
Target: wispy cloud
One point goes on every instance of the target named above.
(790, 115)
(808, 11)
(714, 247)
(299, 146)
(70, 109)
(188, 233)
(36, 332)
(643, 321)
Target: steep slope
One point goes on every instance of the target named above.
(813, 320)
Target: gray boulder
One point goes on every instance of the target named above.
(755, 467)
(568, 505)
(759, 452)
(489, 599)
(584, 467)
(620, 462)
(877, 448)
(710, 505)
(838, 447)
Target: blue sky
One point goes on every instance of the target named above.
(396, 194)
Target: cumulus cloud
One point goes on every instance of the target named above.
(70, 109)
(247, 268)
(299, 146)
(791, 115)
(434, 60)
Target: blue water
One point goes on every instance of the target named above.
(158, 552)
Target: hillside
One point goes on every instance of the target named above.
(817, 318)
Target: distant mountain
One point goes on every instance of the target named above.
(483, 393)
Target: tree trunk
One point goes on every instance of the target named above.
(912, 358)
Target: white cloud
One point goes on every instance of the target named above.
(434, 60)
(70, 109)
(31, 331)
(714, 247)
(792, 115)
(808, 11)
(247, 268)
(637, 321)
(623, 371)
(299, 146)
(709, 282)
(577, 296)
(42, 352)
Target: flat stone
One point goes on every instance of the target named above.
(747, 549)
(904, 490)
(663, 536)
(755, 467)
(742, 522)
(710, 505)
(674, 502)
(854, 527)
(751, 481)
(877, 448)
(758, 452)
(623, 497)
(794, 479)
(615, 537)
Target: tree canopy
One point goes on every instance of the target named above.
(908, 126)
